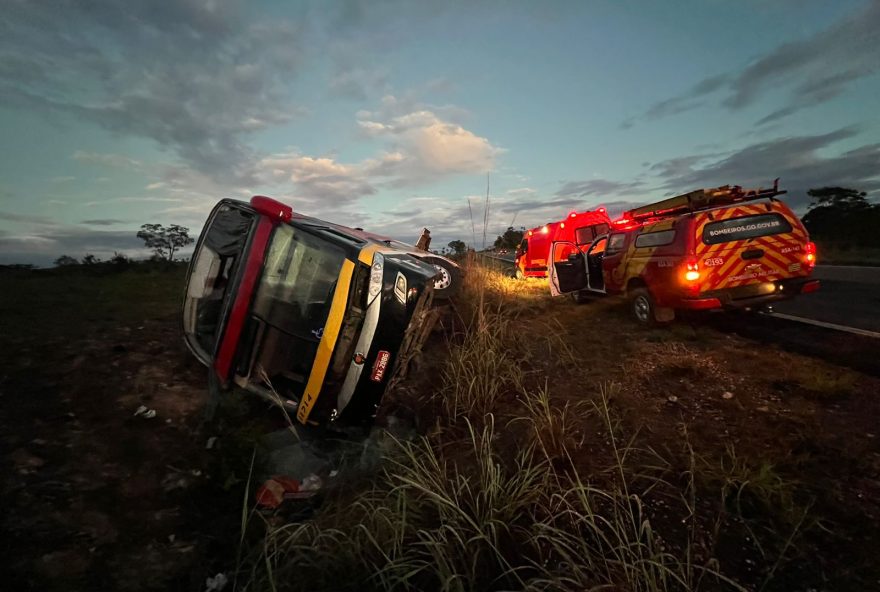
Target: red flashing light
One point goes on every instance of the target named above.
(530, 233)
(601, 210)
(810, 256)
(572, 215)
(545, 229)
(272, 208)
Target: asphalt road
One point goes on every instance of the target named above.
(849, 297)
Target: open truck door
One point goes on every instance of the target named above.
(567, 269)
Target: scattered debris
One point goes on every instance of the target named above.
(274, 491)
(727, 395)
(145, 412)
(210, 443)
(672, 398)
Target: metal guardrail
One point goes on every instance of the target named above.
(497, 263)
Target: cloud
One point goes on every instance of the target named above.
(812, 70)
(195, 76)
(10, 217)
(427, 144)
(43, 247)
(598, 188)
(129, 200)
(113, 161)
(322, 177)
(357, 83)
(419, 147)
(103, 222)
(800, 162)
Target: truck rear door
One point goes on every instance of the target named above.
(748, 244)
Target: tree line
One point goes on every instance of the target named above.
(164, 241)
(843, 217)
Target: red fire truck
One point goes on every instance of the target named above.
(578, 229)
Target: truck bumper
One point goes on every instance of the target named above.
(750, 296)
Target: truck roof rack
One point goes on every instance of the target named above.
(701, 199)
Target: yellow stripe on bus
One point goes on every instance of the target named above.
(366, 254)
(328, 342)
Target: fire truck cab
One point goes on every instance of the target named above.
(531, 254)
(718, 248)
(578, 229)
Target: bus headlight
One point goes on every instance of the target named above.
(376, 275)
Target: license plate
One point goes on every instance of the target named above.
(380, 365)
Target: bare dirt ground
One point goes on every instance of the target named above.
(96, 498)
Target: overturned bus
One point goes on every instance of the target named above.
(315, 316)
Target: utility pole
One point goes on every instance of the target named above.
(486, 212)
(473, 229)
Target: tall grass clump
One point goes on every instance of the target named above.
(482, 365)
(428, 523)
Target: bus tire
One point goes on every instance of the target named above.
(449, 279)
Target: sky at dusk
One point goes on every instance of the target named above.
(389, 115)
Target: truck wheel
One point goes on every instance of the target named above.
(645, 310)
(448, 280)
(518, 273)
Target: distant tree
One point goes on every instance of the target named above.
(838, 197)
(90, 259)
(164, 240)
(66, 260)
(457, 247)
(119, 259)
(843, 216)
(510, 239)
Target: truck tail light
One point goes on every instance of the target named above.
(692, 271)
(810, 255)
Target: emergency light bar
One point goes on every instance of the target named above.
(701, 199)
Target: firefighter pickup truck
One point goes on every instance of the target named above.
(710, 249)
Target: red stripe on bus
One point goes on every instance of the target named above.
(242, 304)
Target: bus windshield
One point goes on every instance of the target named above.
(299, 277)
